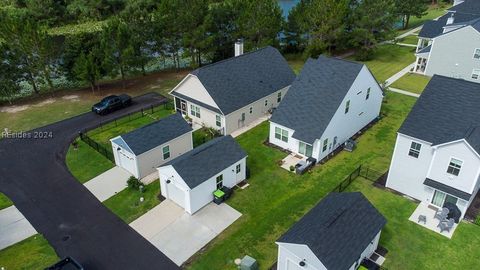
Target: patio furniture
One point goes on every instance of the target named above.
(446, 226)
(422, 218)
(454, 212)
(228, 192)
(303, 166)
(350, 145)
(441, 214)
(248, 263)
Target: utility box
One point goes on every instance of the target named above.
(248, 263)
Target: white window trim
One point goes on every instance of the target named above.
(475, 72)
(475, 52)
(415, 150)
(459, 170)
(163, 153)
(218, 120)
(281, 134)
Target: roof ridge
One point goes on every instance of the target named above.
(341, 60)
(154, 123)
(231, 58)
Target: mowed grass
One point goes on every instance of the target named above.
(409, 40)
(126, 124)
(31, 253)
(388, 60)
(412, 82)
(126, 204)
(414, 247)
(4, 201)
(85, 163)
(276, 198)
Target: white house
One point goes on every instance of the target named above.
(436, 158)
(338, 233)
(232, 93)
(450, 46)
(191, 179)
(329, 102)
(141, 151)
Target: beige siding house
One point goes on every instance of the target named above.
(230, 94)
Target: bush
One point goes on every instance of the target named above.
(477, 220)
(292, 168)
(133, 183)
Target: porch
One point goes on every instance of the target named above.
(291, 160)
(424, 216)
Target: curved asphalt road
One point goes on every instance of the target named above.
(33, 174)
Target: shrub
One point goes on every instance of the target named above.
(133, 183)
(292, 168)
(477, 220)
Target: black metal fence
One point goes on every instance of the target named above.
(363, 171)
(97, 146)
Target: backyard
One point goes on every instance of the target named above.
(413, 247)
(412, 82)
(85, 163)
(278, 198)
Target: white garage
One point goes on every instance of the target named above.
(191, 179)
(141, 151)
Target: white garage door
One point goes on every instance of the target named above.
(176, 194)
(127, 162)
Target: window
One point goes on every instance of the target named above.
(324, 147)
(251, 109)
(347, 106)
(238, 168)
(414, 150)
(279, 97)
(454, 166)
(266, 103)
(475, 74)
(305, 149)
(195, 110)
(368, 94)
(281, 134)
(476, 54)
(220, 181)
(166, 152)
(218, 120)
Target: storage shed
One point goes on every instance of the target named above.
(191, 179)
(141, 151)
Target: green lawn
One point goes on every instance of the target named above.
(201, 136)
(31, 253)
(126, 204)
(85, 163)
(412, 82)
(4, 201)
(409, 40)
(388, 60)
(126, 124)
(414, 247)
(276, 199)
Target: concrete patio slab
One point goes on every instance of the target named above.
(431, 223)
(180, 235)
(108, 183)
(291, 160)
(14, 227)
(247, 127)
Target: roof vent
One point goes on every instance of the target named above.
(238, 47)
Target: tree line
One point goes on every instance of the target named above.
(139, 31)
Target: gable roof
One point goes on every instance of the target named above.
(238, 81)
(315, 96)
(338, 229)
(447, 110)
(464, 13)
(155, 134)
(208, 159)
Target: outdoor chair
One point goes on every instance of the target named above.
(446, 226)
(442, 214)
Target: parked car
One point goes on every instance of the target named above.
(112, 103)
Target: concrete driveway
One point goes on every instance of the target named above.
(108, 183)
(14, 227)
(180, 235)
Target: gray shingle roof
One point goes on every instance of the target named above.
(448, 110)
(465, 13)
(315, 96)
(338, 229)
(155, 134)
(208, 159)
(236, 82)
(448, 189)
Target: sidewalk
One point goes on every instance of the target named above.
(246, 128)
(399, 74)
(403, 92)
(14, 227)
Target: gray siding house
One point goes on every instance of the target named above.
(450, 45)
(230, 94)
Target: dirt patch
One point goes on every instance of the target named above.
(14, 109)
(45, 102)
(71, 97)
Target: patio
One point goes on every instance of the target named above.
(431, 223)
(291, 160)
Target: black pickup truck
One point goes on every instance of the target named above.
(112, 103)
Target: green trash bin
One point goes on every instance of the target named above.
(218, 196)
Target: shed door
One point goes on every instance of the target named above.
(176, 194)
(127, 162)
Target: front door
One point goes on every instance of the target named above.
(183, 106)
